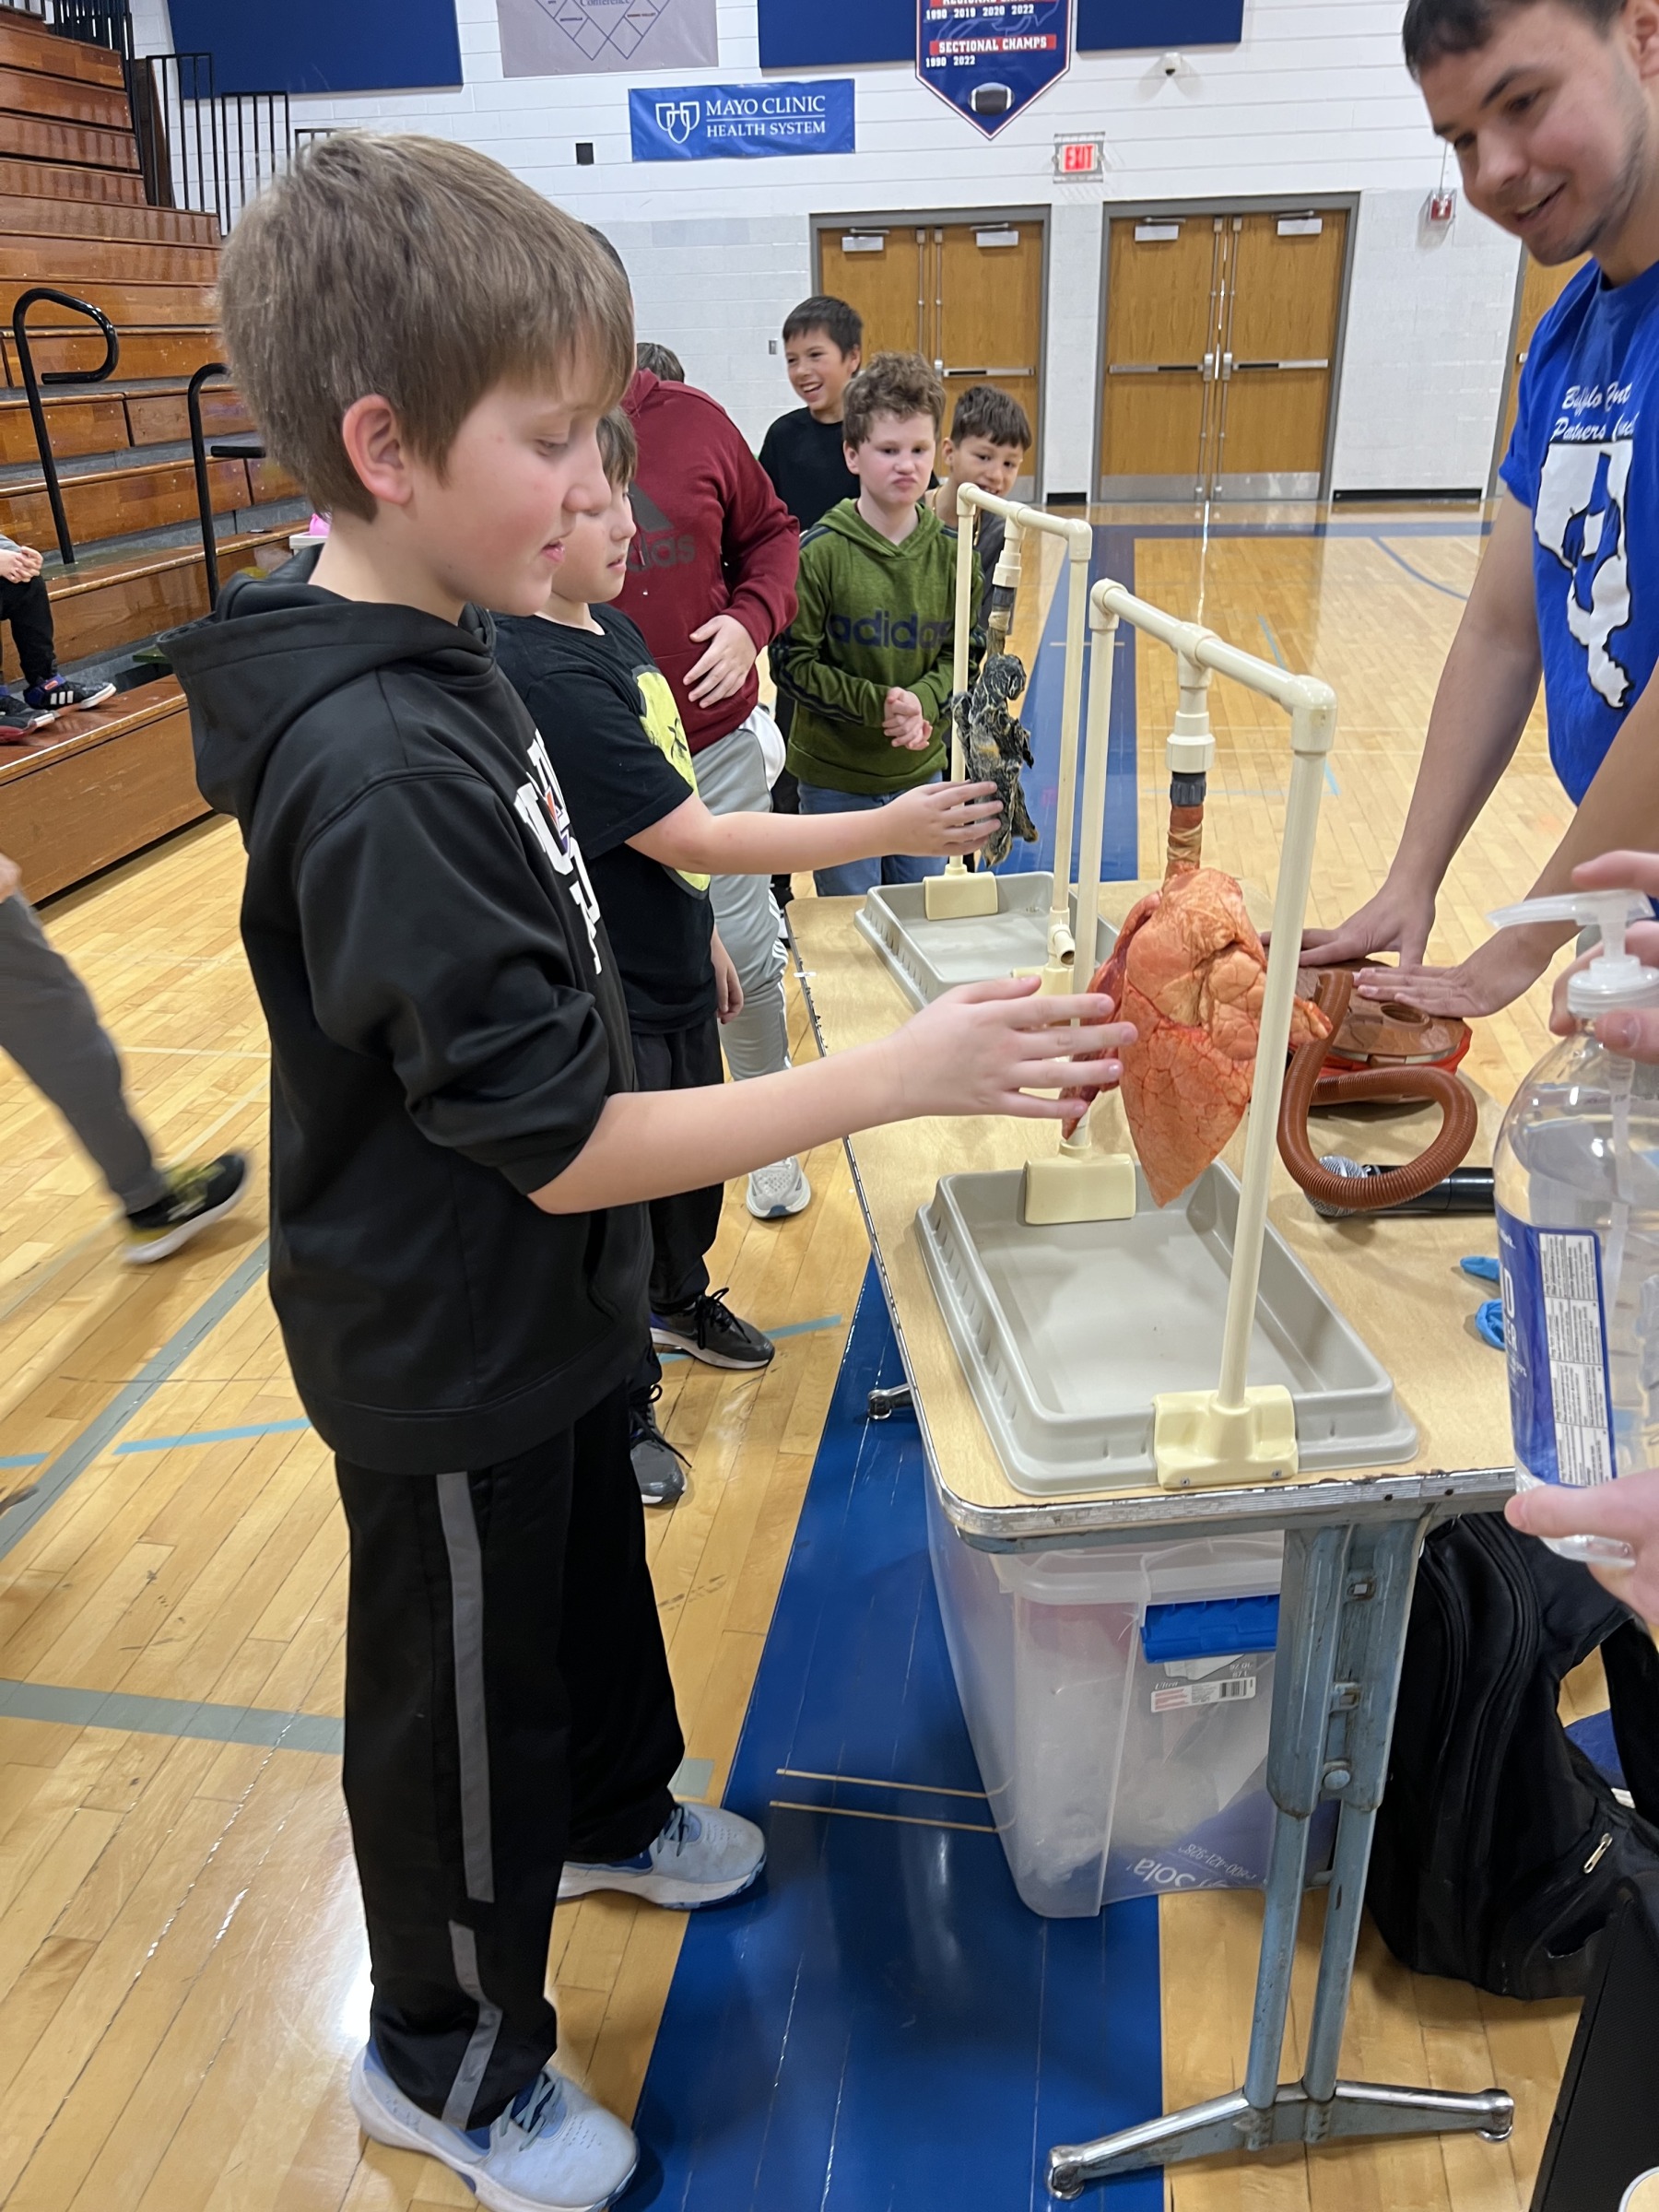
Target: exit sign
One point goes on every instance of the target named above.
(1079, 157)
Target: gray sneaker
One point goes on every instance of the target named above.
(553, 2150)
(659, 1466)
(779, 1191)
(703, 1856)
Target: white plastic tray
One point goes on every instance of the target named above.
(929, 958)
(1066, 1333)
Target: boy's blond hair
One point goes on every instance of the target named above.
(418, 269)
(901, 385)
(618, 450)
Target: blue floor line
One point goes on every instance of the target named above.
(65, 1466)
(883, 2027)
(213, 1436)
(64, 1705)
(1450, 590)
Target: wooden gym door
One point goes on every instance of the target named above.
(1540, 289)
(1220, 354)
(968, 296)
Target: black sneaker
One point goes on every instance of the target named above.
(196, 1197)
(58, 694)
(659, 1466)
(710, 1331)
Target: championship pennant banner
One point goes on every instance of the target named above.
(710, 123)
(990, 59)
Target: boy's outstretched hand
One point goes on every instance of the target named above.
(904, 721)
(988, 1047)
(942, 817)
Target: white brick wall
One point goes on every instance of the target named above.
(1428, 319)
(720, 250)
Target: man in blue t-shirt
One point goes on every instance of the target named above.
(1552, 108)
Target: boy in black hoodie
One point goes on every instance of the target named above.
(458, 1154)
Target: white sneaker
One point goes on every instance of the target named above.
(703, 1856)
(553, 2150)
(779, 1190)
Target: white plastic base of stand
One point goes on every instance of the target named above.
(957, 898)
(1198, 1444)
(1089, 1186)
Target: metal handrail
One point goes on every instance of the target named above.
(198, 459)
(245, 448)
(33, 381)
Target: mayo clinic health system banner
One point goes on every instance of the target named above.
(990, 59)
(715, 122)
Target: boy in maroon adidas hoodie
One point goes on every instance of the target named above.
(710, 583)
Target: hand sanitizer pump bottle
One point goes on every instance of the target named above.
(1577, 1179)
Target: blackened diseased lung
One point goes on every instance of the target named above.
(996, 746)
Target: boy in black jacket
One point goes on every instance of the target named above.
(458, 1154)
(614, 737)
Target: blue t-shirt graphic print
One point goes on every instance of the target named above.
(1584, 460)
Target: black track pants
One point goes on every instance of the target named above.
(507, 1704)
(683, 1227)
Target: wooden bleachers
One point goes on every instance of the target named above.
(95, 787)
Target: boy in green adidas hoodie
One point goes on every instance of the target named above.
(867, 662)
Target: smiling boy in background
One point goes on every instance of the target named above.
(990, 437)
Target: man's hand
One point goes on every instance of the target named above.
(1494, 975)
(1634, 1031)
(988, 1047)
(731, 654)
(1627, 1510)
(19, 563)
(728, 991)
(942, 817)
(904, 721)
(11, 875)
(1397, 920)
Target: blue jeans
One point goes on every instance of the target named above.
(854, 878)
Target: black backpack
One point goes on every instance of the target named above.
(1499, 1846)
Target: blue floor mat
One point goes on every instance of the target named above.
(883, 2027)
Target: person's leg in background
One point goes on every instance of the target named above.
(507, 1699)
(854, 878)
(48, 1027)
(685, 1315)
(731, 779)
(909, 868)
(785, 796)
(28, 607)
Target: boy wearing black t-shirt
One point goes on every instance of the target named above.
(802, 452)
(613, 732)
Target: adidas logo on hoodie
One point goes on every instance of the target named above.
(879, 628)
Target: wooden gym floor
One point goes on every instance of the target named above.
(182, 1976)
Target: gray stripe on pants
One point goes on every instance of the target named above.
(463, 2091)
(466, 1603)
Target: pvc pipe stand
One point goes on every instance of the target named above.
(1199, 1443)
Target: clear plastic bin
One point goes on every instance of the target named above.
(1111, 1774)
